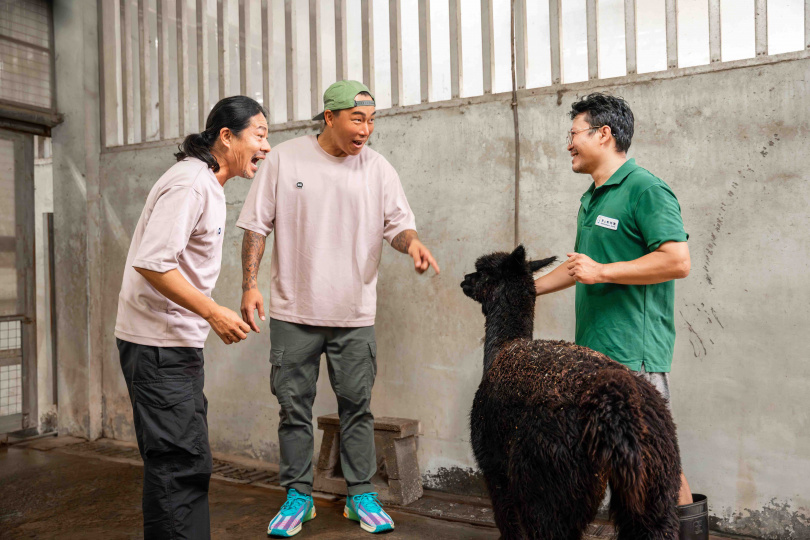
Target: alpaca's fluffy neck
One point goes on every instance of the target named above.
(505, 322)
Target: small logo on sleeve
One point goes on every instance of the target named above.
(299, 185)
(219, 231)
(607, 223)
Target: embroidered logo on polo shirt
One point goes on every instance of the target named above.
(299, 185)
(607, 223)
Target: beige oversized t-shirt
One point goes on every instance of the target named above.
(330, 215)
(181, 226)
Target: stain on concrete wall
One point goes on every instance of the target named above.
(776, 520)
(467, 481)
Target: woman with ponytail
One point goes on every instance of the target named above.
(165, 311)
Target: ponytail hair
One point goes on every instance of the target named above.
(233, 113)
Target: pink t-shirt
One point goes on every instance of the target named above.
(330, 215)
(181, 226)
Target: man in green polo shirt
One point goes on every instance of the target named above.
(630, 246)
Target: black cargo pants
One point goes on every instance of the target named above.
(169, 411)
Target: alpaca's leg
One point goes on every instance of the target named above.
(659, 519)
(658, 522)
(555, 488)
(556, 512)
(506, 514)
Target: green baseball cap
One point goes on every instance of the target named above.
(341, 96)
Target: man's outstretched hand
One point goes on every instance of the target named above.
(422, 258)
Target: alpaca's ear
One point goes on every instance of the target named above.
(534, 266)
(519, 254)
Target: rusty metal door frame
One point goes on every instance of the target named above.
(25, 315)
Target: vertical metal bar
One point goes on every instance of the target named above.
(593, 42)
(292, 62)
(456, 69)
(807, 24)
(487, 56)
(163, 66)
(515, 117)
(182, 68)
(223, 42)
(315, 69)
(425, 54)
(144, 64)
(26, 275)
(554, 21)
(267, 58)
(341, 45)
(761, 26)
(52, 306)
(630, 35)
(108, 82)
(395, 38)
(521, 43)
(102, 87)
(715, 50)
(367, 24)
(51, 47)
(244, 31)
(127, 82)
(203, 90)
(672, 33)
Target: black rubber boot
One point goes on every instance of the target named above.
(694, 519)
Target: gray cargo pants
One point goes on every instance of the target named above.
(351, 360)
(169, 411)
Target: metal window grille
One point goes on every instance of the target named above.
(25, 53)
(166, 62)
(10, 368)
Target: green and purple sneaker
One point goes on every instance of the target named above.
(366, 509)
(298, 509)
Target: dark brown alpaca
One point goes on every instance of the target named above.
(554, 423)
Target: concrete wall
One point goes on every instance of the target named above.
(730, 143)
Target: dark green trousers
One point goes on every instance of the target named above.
(351, 355)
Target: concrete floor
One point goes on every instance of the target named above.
(55, 495)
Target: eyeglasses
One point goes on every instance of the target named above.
(569, 137)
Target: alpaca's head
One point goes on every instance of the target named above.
(503, 277)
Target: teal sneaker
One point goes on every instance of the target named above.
(298, 509)
(366, 509)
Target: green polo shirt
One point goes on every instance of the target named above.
(627, 217)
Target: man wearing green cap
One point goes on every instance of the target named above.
(331, 201)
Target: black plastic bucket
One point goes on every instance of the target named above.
(694, 519)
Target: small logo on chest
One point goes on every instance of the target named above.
(607, 223)
(300, 185)
(219, 231)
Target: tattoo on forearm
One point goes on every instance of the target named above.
(252, 252)
(402, 241)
